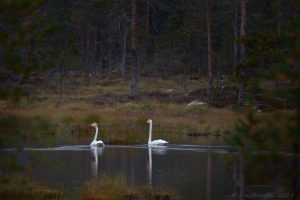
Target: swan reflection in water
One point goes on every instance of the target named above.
(157, 150)
(96, 151)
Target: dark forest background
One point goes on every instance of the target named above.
(213, 39)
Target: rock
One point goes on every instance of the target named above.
(170, 90)
(196, 108)
(196, 103)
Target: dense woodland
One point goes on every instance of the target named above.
(214, 39)
(240, 54)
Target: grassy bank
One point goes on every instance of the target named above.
(122, 119)
(15, 186)
(116, 188)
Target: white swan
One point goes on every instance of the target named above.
(95, 142)
(154, 142)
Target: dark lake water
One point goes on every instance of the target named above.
(193, 172)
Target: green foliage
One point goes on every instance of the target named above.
(269, 131)
(21, 132)
(20, 32)
(266, 141)
(18, 131)
(270, 140)
(23, 49)
(14, 94)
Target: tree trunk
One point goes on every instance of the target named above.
(101, 47)
(61, 80)
(49, 79)
(186, 70)
(135, 70)
(209, 49)
(110, 50)
(83, 54)
(94, 54)
(199, 62)
(148, 42)
(168, 57)
(279, 16)
(87, 55)
(243, 26)
(241, 97)
(147, 16)
(185, 78)
(124, 55)
(109, 59)
(235, 35)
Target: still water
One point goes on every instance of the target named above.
(193, 172)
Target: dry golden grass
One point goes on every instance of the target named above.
(124, 121)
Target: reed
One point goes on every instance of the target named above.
(15, 186)
(108, 187)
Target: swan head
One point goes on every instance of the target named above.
(94, 125)
(149, 121)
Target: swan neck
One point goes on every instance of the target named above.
(150, 132)
(96, 134)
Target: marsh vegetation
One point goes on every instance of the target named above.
(122, 120)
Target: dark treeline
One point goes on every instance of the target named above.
(129, 38)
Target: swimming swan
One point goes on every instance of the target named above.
(154, 142)
(95, 142)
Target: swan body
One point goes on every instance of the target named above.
(154, 142)
(158, 142)
(96, 142)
